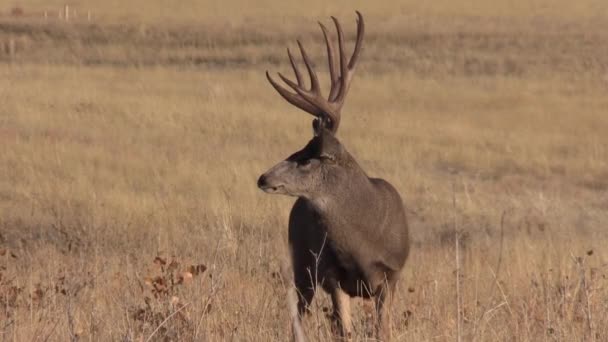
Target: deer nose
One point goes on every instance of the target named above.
(262, 181)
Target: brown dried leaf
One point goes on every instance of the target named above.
(159, 281)
(160, 285)
(197, 269)
(37, 295)
(173, 265)
(160, 261)
(139, 315)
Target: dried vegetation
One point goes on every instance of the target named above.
(130, 146)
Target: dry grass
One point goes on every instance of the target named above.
(141, 135)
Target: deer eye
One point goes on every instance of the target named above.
(305, 162)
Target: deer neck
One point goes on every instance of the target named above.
(342, 192)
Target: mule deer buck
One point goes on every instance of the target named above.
(348, 232)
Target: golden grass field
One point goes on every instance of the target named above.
(130, 147)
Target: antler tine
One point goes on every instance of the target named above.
(360, 31)
(324, 109)
(343, 65)
(292, 98)
(347, 70)
(334, 77)
(312, 101)
(314, 81)
(295, 68)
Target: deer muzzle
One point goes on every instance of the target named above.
(270, 182)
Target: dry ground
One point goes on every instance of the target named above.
(130, 147)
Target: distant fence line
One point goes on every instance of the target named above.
(65, 13)
(11, 45)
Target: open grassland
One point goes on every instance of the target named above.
(130, 147)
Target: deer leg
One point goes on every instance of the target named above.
(293, 301)
(383, 302)
(305, 293)
(341, 315)
(306, 290)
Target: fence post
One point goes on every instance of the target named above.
(66, 10)
(11, 47)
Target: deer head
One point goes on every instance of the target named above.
(323, 162)
(312, 171)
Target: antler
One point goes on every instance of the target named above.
(312, 101)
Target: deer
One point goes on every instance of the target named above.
(348, 232)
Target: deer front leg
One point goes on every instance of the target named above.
(383, 302)
(297, 301)
(341, 315)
